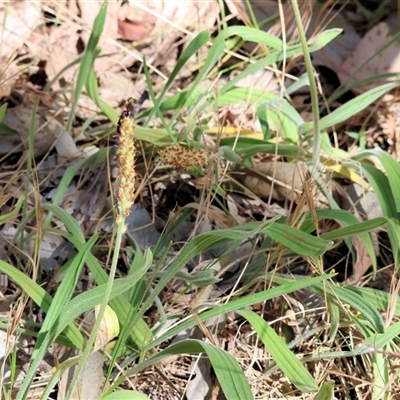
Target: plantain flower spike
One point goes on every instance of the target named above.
(126, 160)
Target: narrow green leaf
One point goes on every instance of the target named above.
(342, 295)
(392, 169)
(69, 174)
(355, 229)
(378, 298)
(298, 241)
(367, 310)
(125, 395)
(88, 58)
(248, 147)
(14, 212)
(239, 304)
(351, 108)
(3, 109)
(326, 391)
(231, 378)
(93, 92)
(290, 365)
(68, 220)
(47, 332)
(194, 46)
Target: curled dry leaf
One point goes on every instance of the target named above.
(277, 179)
(363, 261)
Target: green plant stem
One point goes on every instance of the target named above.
(313, 85)
(107, 294)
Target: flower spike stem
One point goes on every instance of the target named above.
(125, 197)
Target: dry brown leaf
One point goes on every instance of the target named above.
(172, 20)
(18, 21)
(363, 261)
(89, 11)
(386, 61)
(59, 49)
(277, 179)
(200, 387)
(90, 382)
(19, 118)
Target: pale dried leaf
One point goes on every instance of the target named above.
(19, 20)
(49, 243)
(65, 145)
(277, 179)
(90, 381)
(19, 118)
(386, 61)
(200, 387)
(59, 56)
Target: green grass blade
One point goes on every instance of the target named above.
(46, 336)
(290, 365)
(231, 378)
(392, 169)
(69, 174)
(379, 299)
(326, 391)
(356, 229)
(125, 395)
(231, 306)
(93, 92)
(41, 298)
(351, 108)
(194, 46)
(341, 295)
(87, 301)
(141, 334)
(88, 58)
(240, 304)
(12, 214)
(367, 310)
(298, 241)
